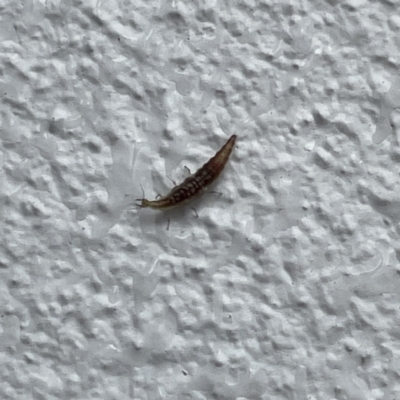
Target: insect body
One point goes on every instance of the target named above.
(196, 184)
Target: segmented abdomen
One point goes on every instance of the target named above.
(196, 184)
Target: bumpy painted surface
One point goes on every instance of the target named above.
(286, 286)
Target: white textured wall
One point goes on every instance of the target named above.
(286, 286)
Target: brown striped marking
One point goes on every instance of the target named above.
(195, 185)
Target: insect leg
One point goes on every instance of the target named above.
(197, 215)
(171, 180)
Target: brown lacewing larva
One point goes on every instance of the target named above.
(195, 185)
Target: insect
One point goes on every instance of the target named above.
(195, 185)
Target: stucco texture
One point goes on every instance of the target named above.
(282, 283)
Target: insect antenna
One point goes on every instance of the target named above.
(140, 205)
